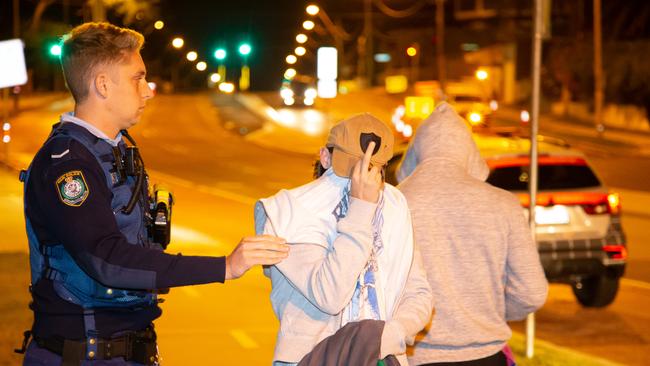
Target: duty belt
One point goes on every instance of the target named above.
(139, 347)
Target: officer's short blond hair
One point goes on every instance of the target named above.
(90, 45)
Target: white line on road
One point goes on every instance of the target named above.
(636, 283)
(243, 339)
(204, 189)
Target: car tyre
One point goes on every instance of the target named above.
(596, 291)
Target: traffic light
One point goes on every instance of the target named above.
(220, 54)
(55, 50)
(245, 49)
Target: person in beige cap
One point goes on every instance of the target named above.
(352, 252)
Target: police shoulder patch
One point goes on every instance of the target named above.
(72, 188)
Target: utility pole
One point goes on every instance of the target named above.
(16, 10)
(16, 20)
(368, 47)
(534, 128)
(440, 44)
(98, 11)
(66, 11)
(598, 69)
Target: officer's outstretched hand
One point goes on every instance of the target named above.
(254, 250)
(366, 180)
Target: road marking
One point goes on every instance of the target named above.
(191, 291)
(243, 339)
(636, 283)
(240, 198)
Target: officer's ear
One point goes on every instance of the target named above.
(101, 84)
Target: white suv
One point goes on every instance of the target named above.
(579, 234)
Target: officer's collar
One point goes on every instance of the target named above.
(70, 117)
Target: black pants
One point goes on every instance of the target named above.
(497, 359)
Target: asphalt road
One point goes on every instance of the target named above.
(217, 173)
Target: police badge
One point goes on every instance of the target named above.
(72, 188)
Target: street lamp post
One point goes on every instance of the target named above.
(244, 80)
(220, 54)
(334, 30)
(414, 55)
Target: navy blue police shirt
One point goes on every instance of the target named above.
(89, 232)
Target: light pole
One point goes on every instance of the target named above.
(244, 80)
(413, 52)
(177, 43)
(220, 54)
(338, 34)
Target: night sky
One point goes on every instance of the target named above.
(271, 25)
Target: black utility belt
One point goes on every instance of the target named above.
(139, 347)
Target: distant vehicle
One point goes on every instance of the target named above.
(296, 93)
(471, 102)
(579, 234)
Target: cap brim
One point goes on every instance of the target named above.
(343, 163)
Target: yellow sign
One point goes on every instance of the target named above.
(396, 84)
(418, 107)
(244, 80)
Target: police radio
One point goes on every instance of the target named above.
(160, 201)
(161, 214)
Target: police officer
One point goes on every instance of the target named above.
(95, 269)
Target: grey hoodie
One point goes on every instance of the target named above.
(477, 248)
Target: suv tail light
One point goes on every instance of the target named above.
(616, 251)
(611, 204)
(614, 203)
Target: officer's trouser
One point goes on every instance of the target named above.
(37, 356)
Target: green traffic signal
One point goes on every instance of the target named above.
(55, 50)
(244, 49)
(220, 54)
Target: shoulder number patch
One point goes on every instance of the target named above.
(72, 188)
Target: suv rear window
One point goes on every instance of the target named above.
(467, 98)
(551, 177)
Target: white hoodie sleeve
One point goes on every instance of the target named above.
(526, 284)
(327, 277)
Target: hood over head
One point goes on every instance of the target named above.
(444, 136)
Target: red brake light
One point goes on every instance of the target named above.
(615, 251)
(596, 208)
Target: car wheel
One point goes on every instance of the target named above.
(597, 291)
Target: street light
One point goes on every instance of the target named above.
(245, 49)
(481, 74)
(291, 59)
(55, 50)
(192, 56)
(201, 66)
(411, 51)
(159, 24)
(215, 77)
(178, 42)
(312, 9)
(220, 54)
(308, 25)
(301, 38)
(290, 73)
(300, 51)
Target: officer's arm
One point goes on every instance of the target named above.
(85, 224)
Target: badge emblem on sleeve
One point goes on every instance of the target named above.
(72, 188)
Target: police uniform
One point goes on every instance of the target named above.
(94, 268)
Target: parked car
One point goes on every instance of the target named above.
(579, 234)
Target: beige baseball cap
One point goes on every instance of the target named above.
(351, 137)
